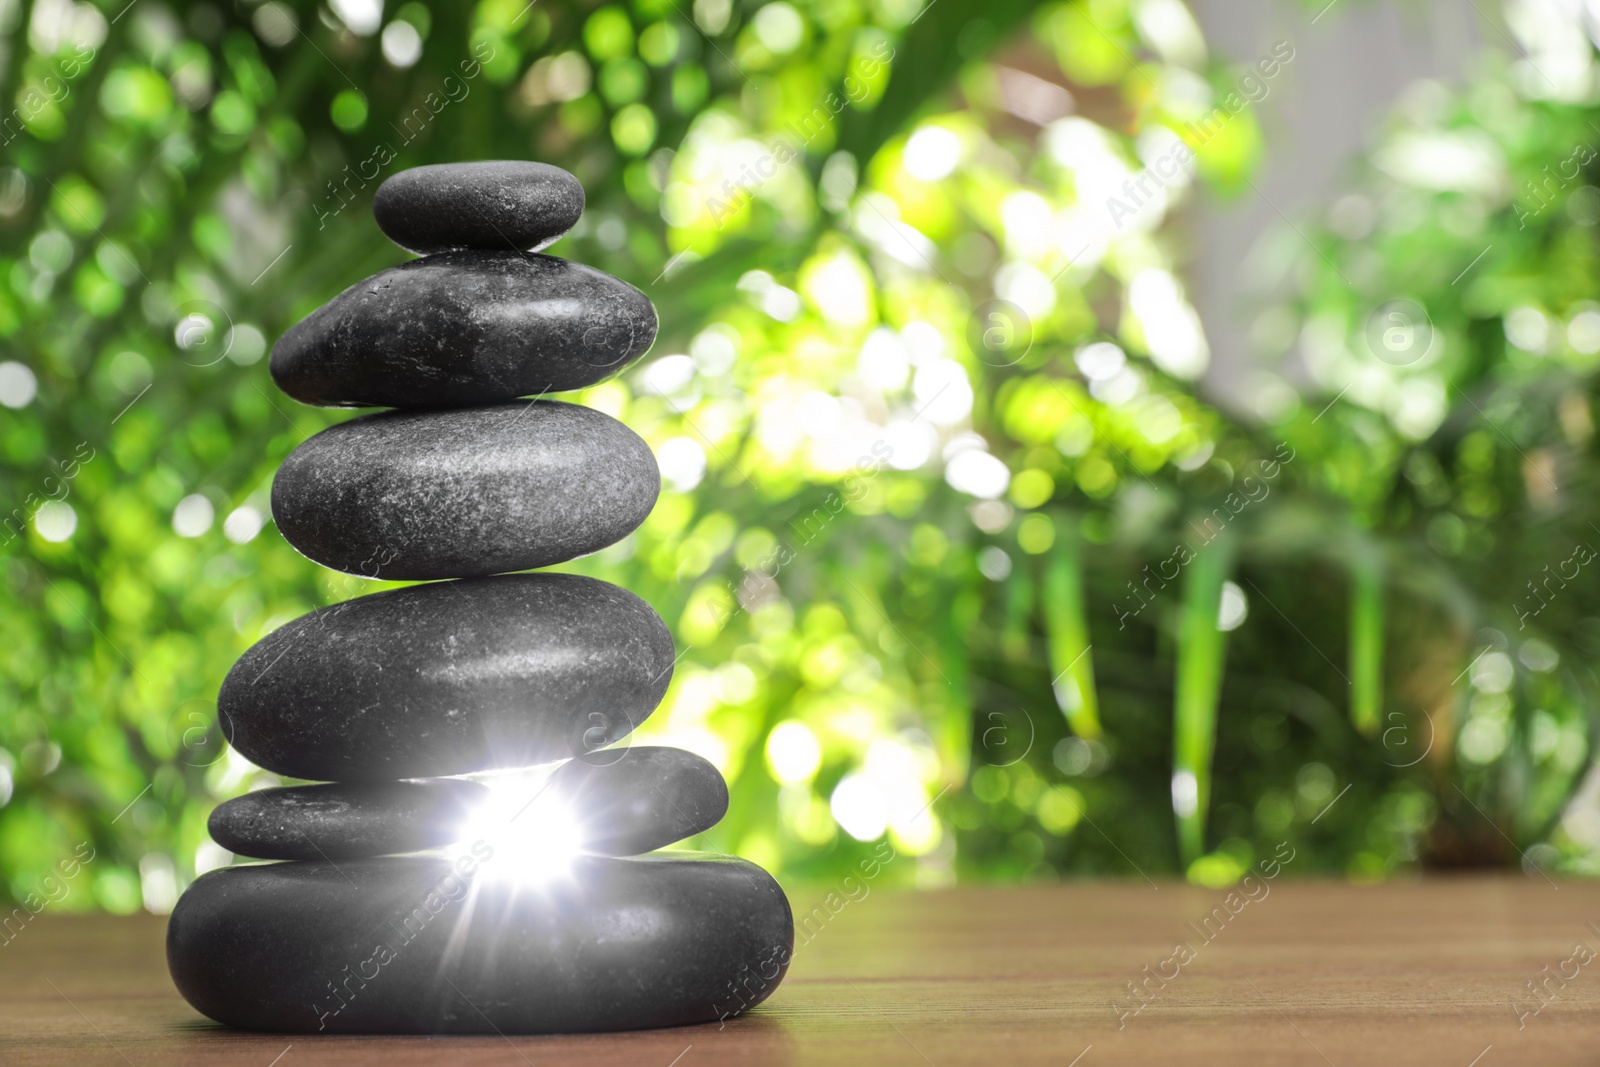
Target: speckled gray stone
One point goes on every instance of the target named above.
(447, 494)
(463, 329)
(346, 820)
(415, 945)
(638, 799)
(448, 678)
(500, 204)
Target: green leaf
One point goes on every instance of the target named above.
(1202, 657)
(1067, 629)
(1366, 641)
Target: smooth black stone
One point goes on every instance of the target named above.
(633, 800)
(456, 494)
(448, 678)
(462, 329)
(501, 204)
(346, 820)
(362, 947)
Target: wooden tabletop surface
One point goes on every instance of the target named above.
(1435, 972)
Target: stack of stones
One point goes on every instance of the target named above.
(390, 699)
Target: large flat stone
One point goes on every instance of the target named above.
(501, 203)
(424, 946)
(465, 328)
(346, 820)
(454, 494)
(448, 678)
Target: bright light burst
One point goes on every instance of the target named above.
(533, 833)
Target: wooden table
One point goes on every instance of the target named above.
(1310, 973)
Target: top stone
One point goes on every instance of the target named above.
(509, 205)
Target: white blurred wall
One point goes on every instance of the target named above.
(1351, 63)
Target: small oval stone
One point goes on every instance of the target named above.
(501, 204)
(422, 945)
(448, 678)
(634, 800)
(462, 329)
(455, 494)
(346, 820)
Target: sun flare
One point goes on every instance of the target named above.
(533, 833)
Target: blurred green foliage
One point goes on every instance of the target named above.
(951, 547)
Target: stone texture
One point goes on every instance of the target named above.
(633, 800)
(447, 494)
(448, 678)
(500, 204)
(421, 945)
(346, 820)
(463, 329)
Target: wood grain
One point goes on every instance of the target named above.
(1310, 973)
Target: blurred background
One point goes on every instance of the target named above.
(1099, 438)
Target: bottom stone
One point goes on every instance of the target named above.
(427, 945)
